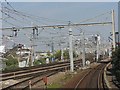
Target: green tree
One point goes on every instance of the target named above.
(66, 54)
(48, 53)
(58, 55)
(40, 61)
(116, 63)
(11, 63)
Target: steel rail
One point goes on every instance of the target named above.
(29, 72)
(91, 71)
(51, 70)
(100, 79)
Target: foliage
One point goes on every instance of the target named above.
(58, 55)
(66, 54)
(11, 61)
(11, 67)
(48, 53)
(116, 63)
(38, 62)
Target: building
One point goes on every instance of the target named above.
(24, 56)
(2, 49)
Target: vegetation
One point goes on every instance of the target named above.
(11, 63)
(116, 63)
(66, 54)
(40, 61)
(57, 55)
(54, 85)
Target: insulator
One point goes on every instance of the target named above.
(37, 31)
(33, 31)
(15, 33)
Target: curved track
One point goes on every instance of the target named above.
(92, 79)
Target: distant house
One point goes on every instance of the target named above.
(24, 55)
(2, 49)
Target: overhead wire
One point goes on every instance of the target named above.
(108, 12)
(13, 11)
(30, 15)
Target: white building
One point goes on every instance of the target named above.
(2, 49)
(24, 55)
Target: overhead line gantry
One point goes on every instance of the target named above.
(58, 26)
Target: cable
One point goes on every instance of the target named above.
(109, 12)
(11, 23)
(33, 16)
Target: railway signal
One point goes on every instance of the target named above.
(45, 80)
(30, 83)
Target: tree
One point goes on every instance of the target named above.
(116, 63)
(66, 54)
(11, 63)
(58, 55)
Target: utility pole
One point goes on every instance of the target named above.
(83, 51)
(98, 42)
(109, 48)
(52, 47)
(71, 50)
(113, 29)
(62, 54)
(30, 58)
(32, 49)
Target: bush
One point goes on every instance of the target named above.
(118, 75)
(116, 63)
(38, 62)
(11, 61)
(11, 67)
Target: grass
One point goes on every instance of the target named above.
(54, 85)
(59, 83)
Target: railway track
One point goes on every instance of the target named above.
(38, 70)
(92, 79)
(24, 85)
(36, 74)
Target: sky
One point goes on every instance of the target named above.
(61, 13)
(62, 0)
(119, 18)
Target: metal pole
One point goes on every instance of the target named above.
(53, 49)
(32, 52)
(113, 28)
(83, 47)
(97, 57)
(109, 49)
(62, 54)
(71, 50)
